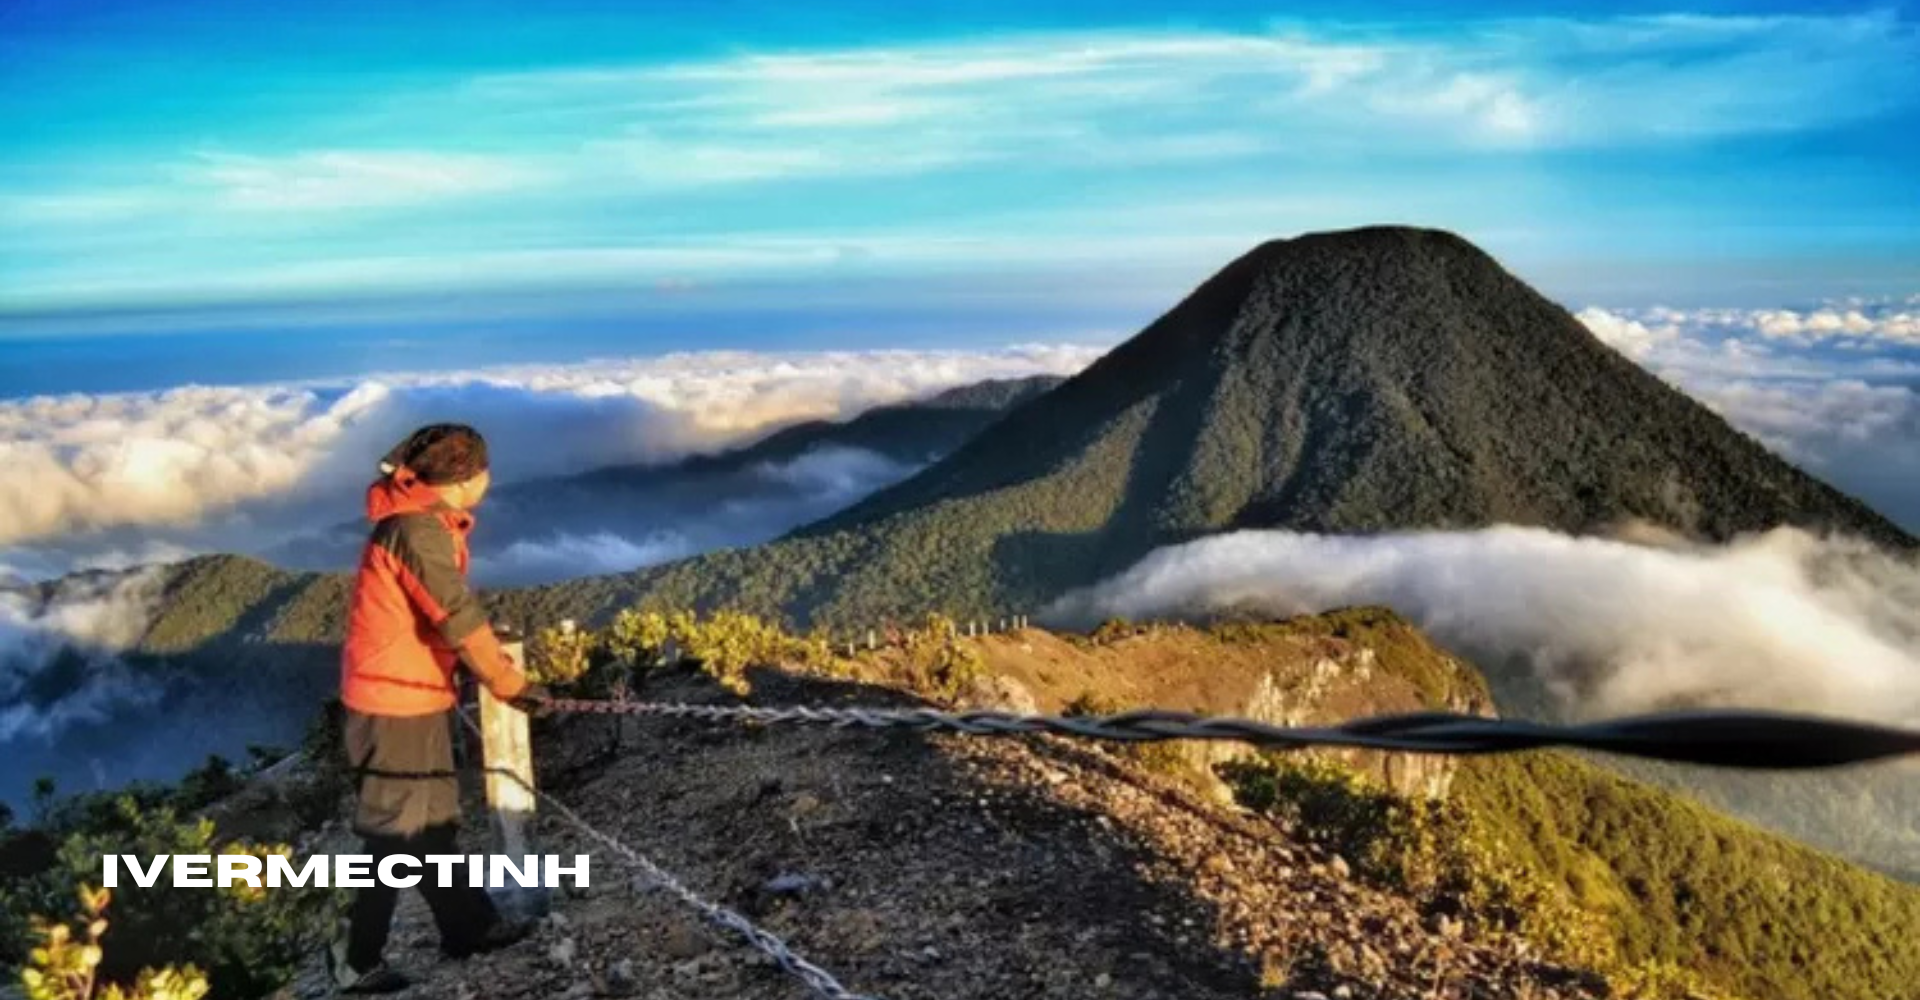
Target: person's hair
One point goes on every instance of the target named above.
(439, 454)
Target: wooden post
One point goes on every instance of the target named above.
(873, 641)
(507, 753)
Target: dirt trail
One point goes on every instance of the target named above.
(918, 867)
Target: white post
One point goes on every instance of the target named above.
(507, 753)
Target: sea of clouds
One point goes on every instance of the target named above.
(113, 480)
(59, 662)
(1783, 620)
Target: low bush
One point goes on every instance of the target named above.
(249, 941)
(66, 966)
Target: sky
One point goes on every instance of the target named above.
(174, 166)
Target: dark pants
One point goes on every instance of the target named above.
(463, 914)
(408, 802)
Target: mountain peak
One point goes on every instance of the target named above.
(1376, 379)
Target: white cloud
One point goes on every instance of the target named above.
(227, 458)
(333, 179)
(1503, 83)
(563, 557)
(1780, 620)
(1630, 337)
(1835, 388)
(1060, 99)
(88, 621)
(835, 473)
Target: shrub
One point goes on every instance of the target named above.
(66, 967)
(940, 662)
(723, 645)
(638, 640)
(1386, 838)
(560, 654)
(210, 782)
(1111, 630)
(249, 941)
(1444, 855)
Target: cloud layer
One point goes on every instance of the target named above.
(58, 652)
(1834, 387)
(1781, 620)
(659, 519)
(236, 467)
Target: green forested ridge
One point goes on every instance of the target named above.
(1750, 910)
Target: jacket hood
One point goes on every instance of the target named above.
(404, 493)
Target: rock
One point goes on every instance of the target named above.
(619, 979)
(684, 941)
(562, 952)
(1102, 981)
(999, 693)
(792, 884)
(1309, 995)
(1340, 867)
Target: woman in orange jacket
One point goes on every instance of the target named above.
(412, 621)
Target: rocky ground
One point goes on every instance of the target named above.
(946, 866)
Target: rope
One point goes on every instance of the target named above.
(1755, 740)
(818, 981)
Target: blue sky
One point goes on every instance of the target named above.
(176, 159)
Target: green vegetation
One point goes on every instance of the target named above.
(939, 662)
(249, 941)
(67, 967)
(934, 660)
(1662, 895)
(1679, 883)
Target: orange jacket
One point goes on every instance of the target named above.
(412, 616)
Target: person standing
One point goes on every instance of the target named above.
(412, 622)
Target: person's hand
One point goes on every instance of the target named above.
(534, 699)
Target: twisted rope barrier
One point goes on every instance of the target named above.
(1744, 739)
(817, 980)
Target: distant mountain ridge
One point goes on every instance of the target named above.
(738, 496)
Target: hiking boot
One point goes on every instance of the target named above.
(382, 978)
(500, 934)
